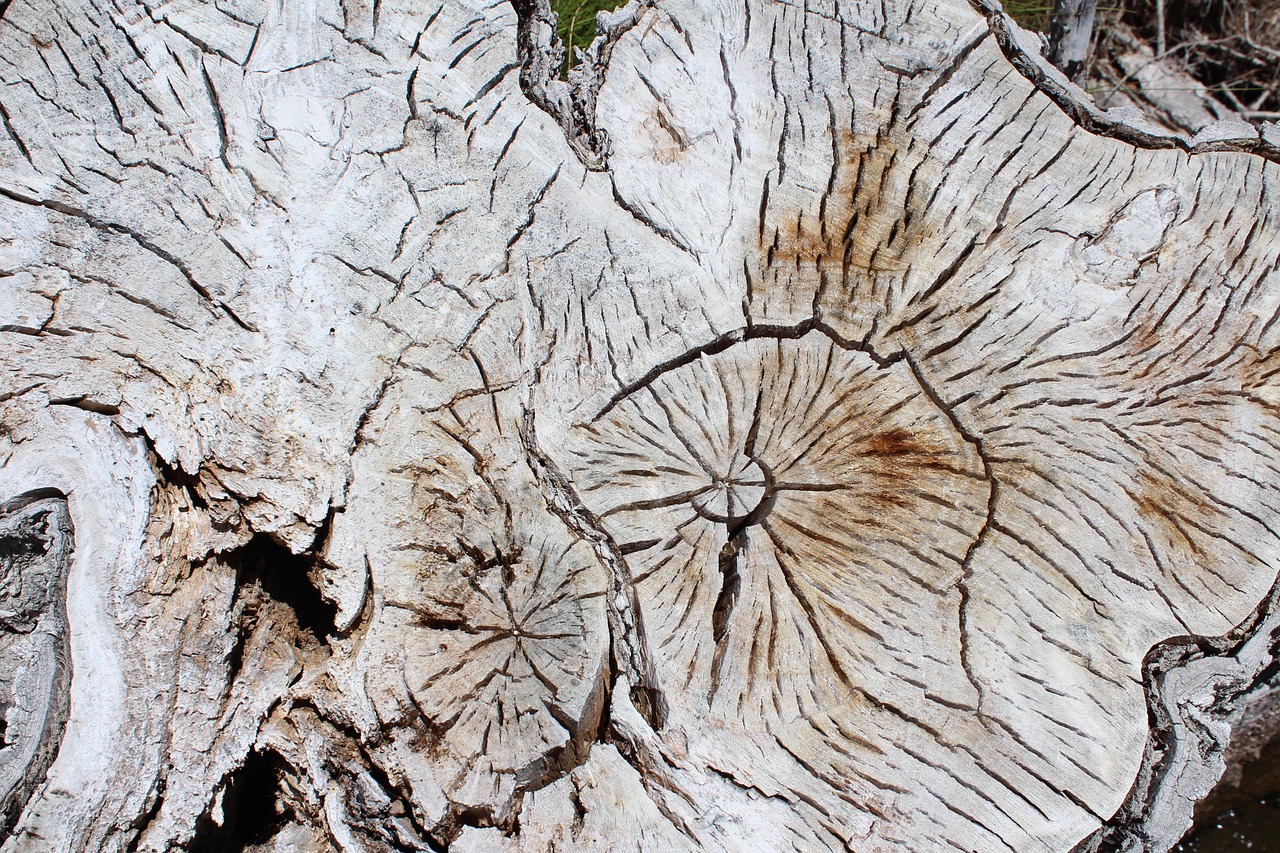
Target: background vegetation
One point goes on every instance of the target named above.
(1232, 46)
(578, 23)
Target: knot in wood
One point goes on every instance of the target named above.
(735, 496)
(784, 484)
(509, 679)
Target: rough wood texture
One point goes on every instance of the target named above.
(1071, 32)
(808, 427)
(35, 542)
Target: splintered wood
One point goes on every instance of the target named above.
(809, 427)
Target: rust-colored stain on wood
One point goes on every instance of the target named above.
(1170, 511)
(898, 442)
(857, 224)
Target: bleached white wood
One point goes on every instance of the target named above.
(796, 430)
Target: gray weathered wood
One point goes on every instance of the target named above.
(1070, 34)
(811, 426)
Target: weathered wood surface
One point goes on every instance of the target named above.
(813, 426)
(1071, 33)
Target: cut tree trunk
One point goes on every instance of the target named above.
(810, 426)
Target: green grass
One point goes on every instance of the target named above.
(1035, 14)
(578, 23)
(1030, 14)
(578, 19)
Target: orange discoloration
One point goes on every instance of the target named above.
(840, 240)
(896, 459)
(667, 141)
(852, 226)
(1170, 511)
(898, 442)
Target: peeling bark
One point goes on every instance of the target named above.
(806, 427)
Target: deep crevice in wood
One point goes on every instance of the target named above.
(285, 577)
(882, 234)
(571, 103)
(388, 820)
(252, 809)
(629, 654)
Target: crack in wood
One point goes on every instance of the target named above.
(746, 463)
(630, 655)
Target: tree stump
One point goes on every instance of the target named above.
(807, 427)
